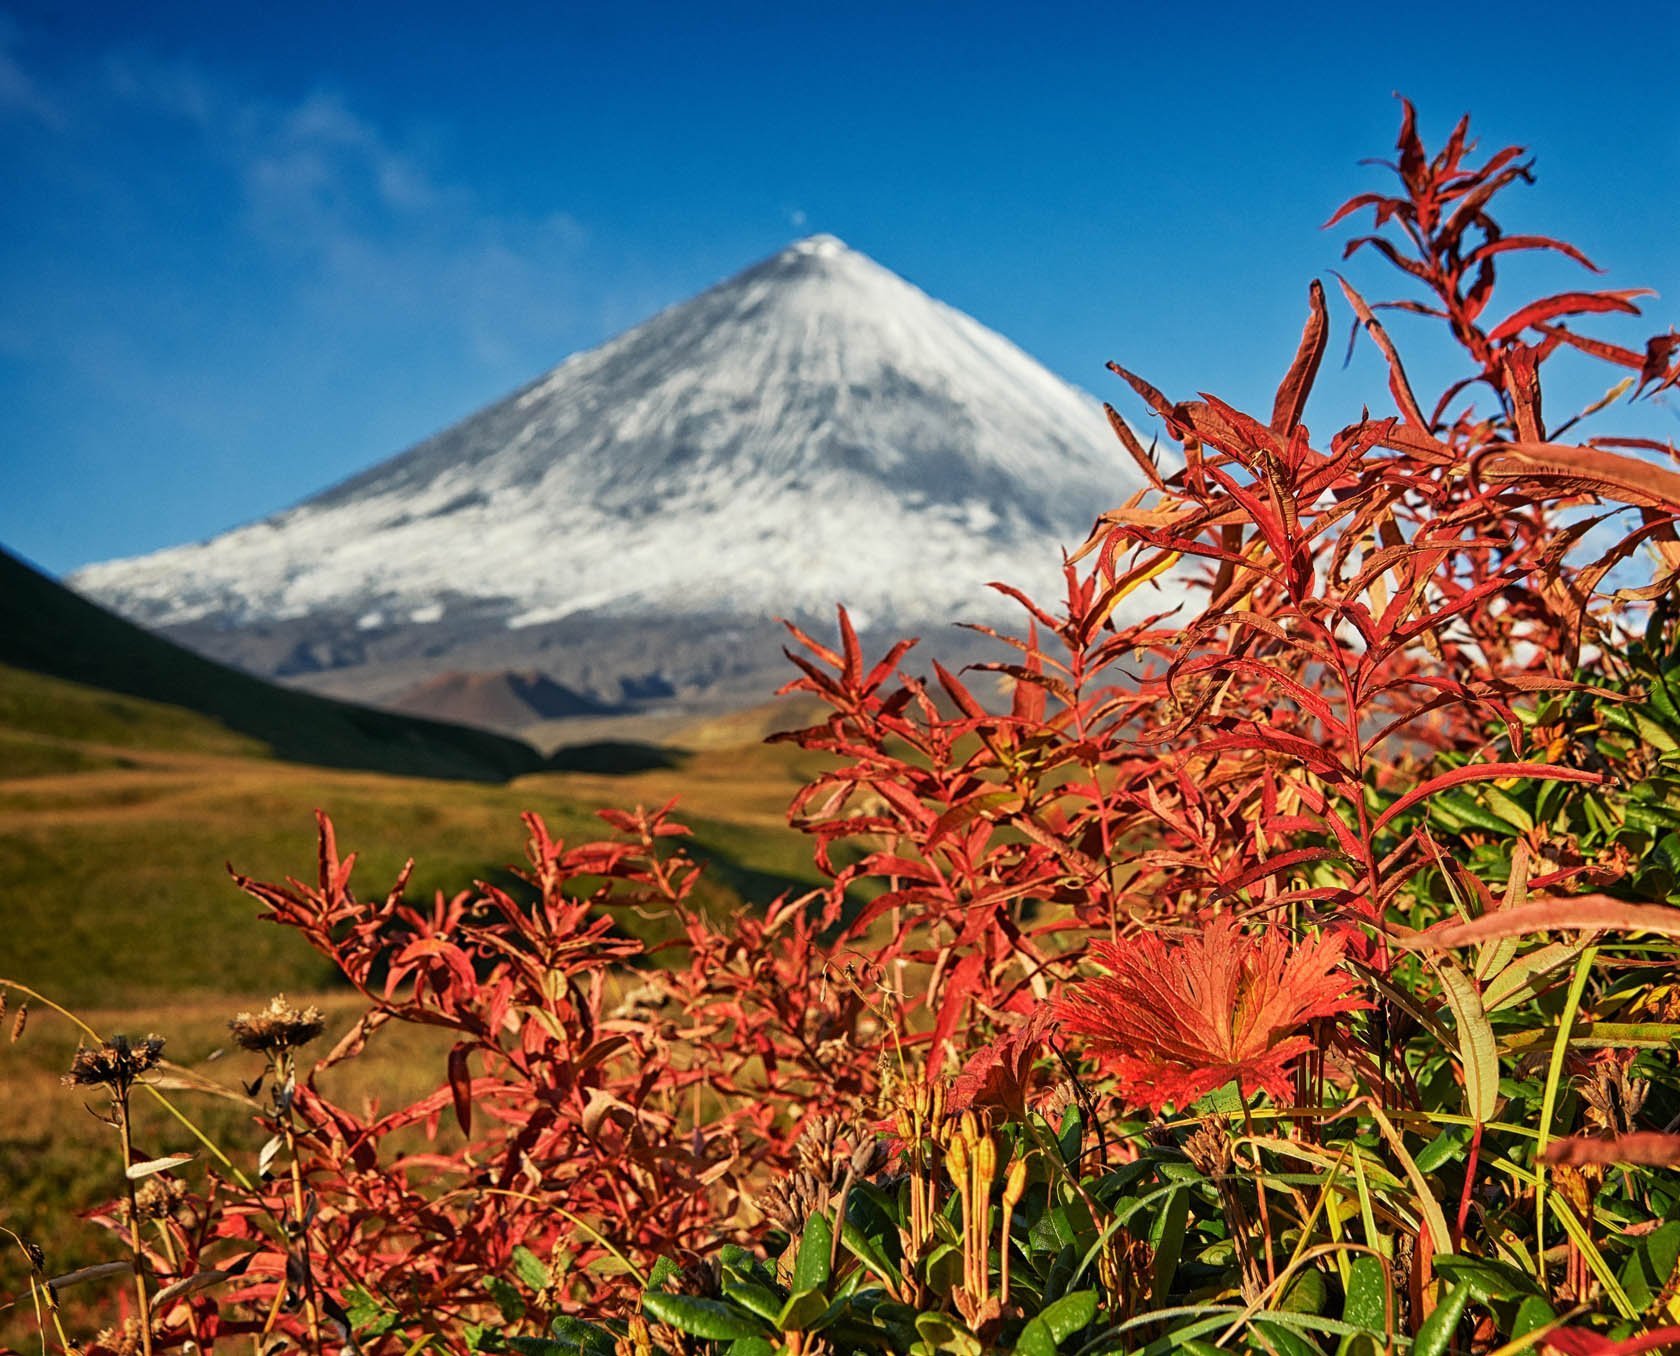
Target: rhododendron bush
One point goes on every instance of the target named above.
(1290, 968)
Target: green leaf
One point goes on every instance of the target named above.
(1282, 1340)
(1478, 1052)
(1661, 867)
(751, 1346)
(1520, 979)
(1166, 1238)
(1651, 1264)
(1069, 1314)
(1035, 1340)
(1438, 1328)
(1056, 1323)
(1069, 1137)
(1662, 699)
(1487, 1279)
(508, 1300)
(1366, 1305)
(708, 1318)
(1534, 1312)
(1507, 809)
(1306, 1293)
(945, 1334)
(580, 1339)
(868, 1251)
(586, 1339)
(529, 1268)
(1468, 812)
(802, 1310)
(663, 1270)
(942, 1268)
(810, 1270)
(1442, 1148)
(367, 1315)
(761, 1300)
(1652, 732)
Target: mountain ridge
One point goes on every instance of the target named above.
(813, 430)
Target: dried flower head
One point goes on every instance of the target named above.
(123, 1341)
(115, 1064)
(1208, 1148)
(1174, 1020)
(789, 1201)
(1613, 1096)
(160, 1196)
(279, 1026)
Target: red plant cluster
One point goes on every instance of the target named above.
(1243, 772)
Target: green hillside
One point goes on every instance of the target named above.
(47, 629)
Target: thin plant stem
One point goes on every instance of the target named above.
(1469, 1183)
(142, 1298)
(1259, 1188)
(284, 1074)
(1548, 1101)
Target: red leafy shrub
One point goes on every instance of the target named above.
(1250, 810)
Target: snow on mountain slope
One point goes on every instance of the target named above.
(814, 430)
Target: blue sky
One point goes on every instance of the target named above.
(248, 250)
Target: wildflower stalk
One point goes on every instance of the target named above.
(1259, 1188)
(142, 1297)
(311, 1313)
(276, 1032)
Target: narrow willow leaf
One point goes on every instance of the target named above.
(155, 1165)
(1478, 1053)
(1520, 979)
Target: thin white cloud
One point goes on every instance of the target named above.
(360, 223)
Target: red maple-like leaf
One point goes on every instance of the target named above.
(1000, 1075)
(1174, 1020)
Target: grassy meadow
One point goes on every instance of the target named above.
(118, 817)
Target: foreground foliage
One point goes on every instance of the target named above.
(1291, 972)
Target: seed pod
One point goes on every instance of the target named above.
(956, 1162)
(1015, 1185)
(20, 1021)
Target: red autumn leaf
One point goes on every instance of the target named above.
(1297, 382)
(1174, 1020)
(1567, 303)
(1646, 1148)
(999, 1074)
(1580, 1342)
(1528, 242)
(960, 986)
(1578, 913)
(1481, 772)
(460, 1085)
(1557, 469)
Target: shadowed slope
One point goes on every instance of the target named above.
(47, 628)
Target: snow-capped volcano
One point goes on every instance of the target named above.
(814, 430)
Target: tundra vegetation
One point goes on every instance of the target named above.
(1292, 971)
